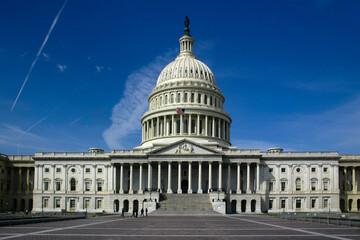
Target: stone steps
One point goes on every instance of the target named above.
(189, 204)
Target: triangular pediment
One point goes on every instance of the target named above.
(184, 147)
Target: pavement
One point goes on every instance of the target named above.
(180, 227)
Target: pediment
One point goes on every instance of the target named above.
(184, 147)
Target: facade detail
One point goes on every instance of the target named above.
(185, 149)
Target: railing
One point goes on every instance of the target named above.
(339, 219)
(12, 219)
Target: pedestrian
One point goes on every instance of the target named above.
(146, 211)
(123, 212)
(136, 212)
(142, 212)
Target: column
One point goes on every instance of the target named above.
(219, 128)
(210, 168)
(238, 179)
(157, 127)
(94, 177)
(140, 179)
(248, 178)
(257, 177)
(36, 175)
(179, 178)
(220, 175)
(173, 130)
(131, 191)
(121, 178)
(320, 188)
(82, 178)
(159, 176)
(111, 179)
(336, 178)
(199, 188)
(213, 127)
(206, 125)
(165, 133)
(189, 187)
(106, 178)
(28, 179)
(345, 180)
(189, 125)
(181, 124)
(152, 128)
(228, 178)
(114, 179)
(149, 176)
(277, 188)
(198, 125)
(223, 130)
(353, 180)
(20, 179)
(169, 178)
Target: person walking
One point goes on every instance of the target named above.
(146, 211)
(142, 212)
(136, 212)
(123, 212)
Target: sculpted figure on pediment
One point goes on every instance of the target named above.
(184, 148)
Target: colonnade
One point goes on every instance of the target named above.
(353, 186)
(217, 168)
(19, 172)
(187, 124)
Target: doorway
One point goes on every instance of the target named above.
(184, 186)
(233, 206)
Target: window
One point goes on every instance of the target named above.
(57, 203)
(72, 203)
(58, 186)
(192, 97)
(87, 170)
(47, 170)
(87, 186)
(326, 185)
(58, 170)
(313, 169)
(326, 203)
(185, 97)
(199, 98)
(313, 185)
(283, 203)
(271, 201)
(73, 184)
(283, 170)
(73, 170)
(325, 169)
(271, 186)
(298, 170)
(46, 185)
(87, 203)
(98, 203)
(313, 203)
(298, 184)
(99, 186)
(99, 170)
(271, 170)
(46, 203)
(298, 203)
(283, 186)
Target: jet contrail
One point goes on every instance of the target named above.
(39, 53)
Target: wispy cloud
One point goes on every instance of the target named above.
(46, 56)
(24, 54)
(99, 68)
(76, 120)
(39, 52)
(127, 112)
(61, 67)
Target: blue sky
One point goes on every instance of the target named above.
(289, 70)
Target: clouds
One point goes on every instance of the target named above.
(127, 112)
(46, 56)
(62, 68)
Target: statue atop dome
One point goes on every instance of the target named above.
(187, 30)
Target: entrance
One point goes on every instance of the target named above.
(136, 205)
(184, 186)
(233, 206)
(126, 205)
(243, 205)
(116, 205)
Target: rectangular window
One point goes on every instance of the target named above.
(271, 204)
(298, 203)
(47, 170)
(46, 186)
(99, 170)
(46, 203)
(87, 203)
(313, 203)
(283, 186)
(58, 170)
(283, 170)
(87, 186)
(87, 170)
(313, 169)
(271, 186)
(271, 170)
(283, 203)
(99, 186)
(326, 186)
(313, 186)
(58, 186)
(72, 203)
(99, 203)
(326, 203)
(57, 203)
(325, 169)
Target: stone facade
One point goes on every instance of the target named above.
(185, 149)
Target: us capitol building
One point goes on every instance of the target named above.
(185, 162)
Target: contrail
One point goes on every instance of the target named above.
(39, 53)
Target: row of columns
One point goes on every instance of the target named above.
(167, 126)
(20, 178)
(179, 190)
(353, 180)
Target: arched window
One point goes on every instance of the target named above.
(298, 184)
(185, 97)
(73, 184)
(192, 97)
(178, 98)
(166, 99)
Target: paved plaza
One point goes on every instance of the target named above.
(180, 227)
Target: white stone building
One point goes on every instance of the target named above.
(185, 149)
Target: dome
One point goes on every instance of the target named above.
(186, 65)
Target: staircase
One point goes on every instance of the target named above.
(186, 204)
